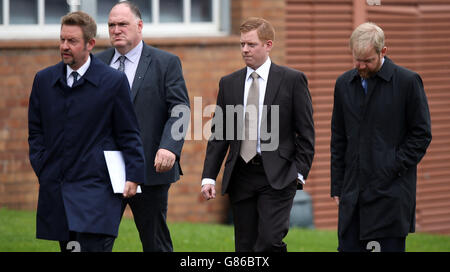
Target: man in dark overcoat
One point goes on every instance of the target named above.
(78, 109)
(380, 129)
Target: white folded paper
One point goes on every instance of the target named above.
(116, 169)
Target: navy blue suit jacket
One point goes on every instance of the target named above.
(158, 88)
(69, 128)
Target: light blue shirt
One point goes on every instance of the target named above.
(131, 61)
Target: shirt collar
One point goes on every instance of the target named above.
(132, 55)
(262, 71)
(81, 71)
(382, 62)
(386, 69)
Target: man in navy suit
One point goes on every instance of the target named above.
(78, 108)
(158, 91)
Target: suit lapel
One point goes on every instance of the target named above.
(273, 85)
(238, 87)
(144, 63)
(107, 57)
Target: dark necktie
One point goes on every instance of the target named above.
(122, 63)
(75, 77)
(248, 145)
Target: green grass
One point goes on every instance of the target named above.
(17, 234)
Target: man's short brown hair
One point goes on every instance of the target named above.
(83, 20)
(264, 29)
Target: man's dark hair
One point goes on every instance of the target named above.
(133, 7)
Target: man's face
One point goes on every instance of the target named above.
(125, 30)
(369, 62)
(254, 51)
(74, 50)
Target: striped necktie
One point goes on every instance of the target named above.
(122, 63)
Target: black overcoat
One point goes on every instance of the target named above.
(377, 141)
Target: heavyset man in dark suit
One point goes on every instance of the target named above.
(261, 173)
(78, 108)
(157, 88)
(380, 132)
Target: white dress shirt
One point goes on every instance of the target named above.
(263, 72)
(81, 71)
(131, 61)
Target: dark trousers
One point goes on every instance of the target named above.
(260, 213)
(150, 212)
(350, 241)
(87, 242)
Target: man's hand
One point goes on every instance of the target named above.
(164, 160)
(130, 189)
(209, 191)
(336, 198)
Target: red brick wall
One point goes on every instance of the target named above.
(273, 11)
(204, 60)
(18, 185)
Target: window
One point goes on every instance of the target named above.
(40, 19)
(103, 8)
(171, 11)
(23, 12)
(201, 11)
(1, 12)
(54, 10)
